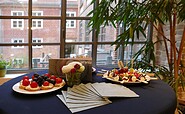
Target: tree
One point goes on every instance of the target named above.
(136, 15)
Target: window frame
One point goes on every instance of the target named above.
(63, 18)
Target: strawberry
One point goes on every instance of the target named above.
(58, 80)
(25, 77)
(77, 66)
(73, 70)
(34, 84)
(53, 77)
(46, 83)
(47, 74)
(25, 82)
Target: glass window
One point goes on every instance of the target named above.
(106, 55)
(36, 41)
(17, 23)
(7, 33)
(71, 23)
(37, 23)
(18, 40)
(51, 30)
(18, 57)
(49, 7)
(78, 50)
(41, 56)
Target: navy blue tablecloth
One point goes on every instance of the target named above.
(156, 97)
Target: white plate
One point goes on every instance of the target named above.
(17, 89)
(125, 82)
(93, 69)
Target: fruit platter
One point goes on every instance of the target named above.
(125, 75)
(38, 84)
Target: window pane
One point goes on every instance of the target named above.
(18, 56)
(83, 5)
(50, 32)
(41, 56)
(131, 50)
(81, 33)
(105, 35)
(107, 56)
(48, 7)
(14, 5)
(11, 30)
(78, 50)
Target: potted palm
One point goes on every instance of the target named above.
(3, 66)
(137, 16)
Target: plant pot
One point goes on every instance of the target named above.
(2, 72)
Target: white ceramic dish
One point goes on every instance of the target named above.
(17, 89)
(125, 82)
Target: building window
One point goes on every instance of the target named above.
(18, 62)
(17, 23)
(17, 40)
(37, 23)
(70, 23)
(37, 40)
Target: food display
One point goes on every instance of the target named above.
(40, 82)
(127, 75)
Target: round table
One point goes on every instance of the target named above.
(156, 97)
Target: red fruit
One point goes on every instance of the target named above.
(136, 74)
(77, 66)
(25, 82)
(53, 77)
(46, 83)
(116, 72)
(32, 77)
(58, 80)
(34, 84)
(121, 71)
(73, 70)
(125, 69)
(25, 77)
(48, 75)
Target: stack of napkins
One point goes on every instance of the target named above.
(86, 96)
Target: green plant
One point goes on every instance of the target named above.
(137, 16)
(4, 63)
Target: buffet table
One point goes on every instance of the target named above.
(154, 98)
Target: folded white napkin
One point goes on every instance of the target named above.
(91, 95)
(113, 90)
